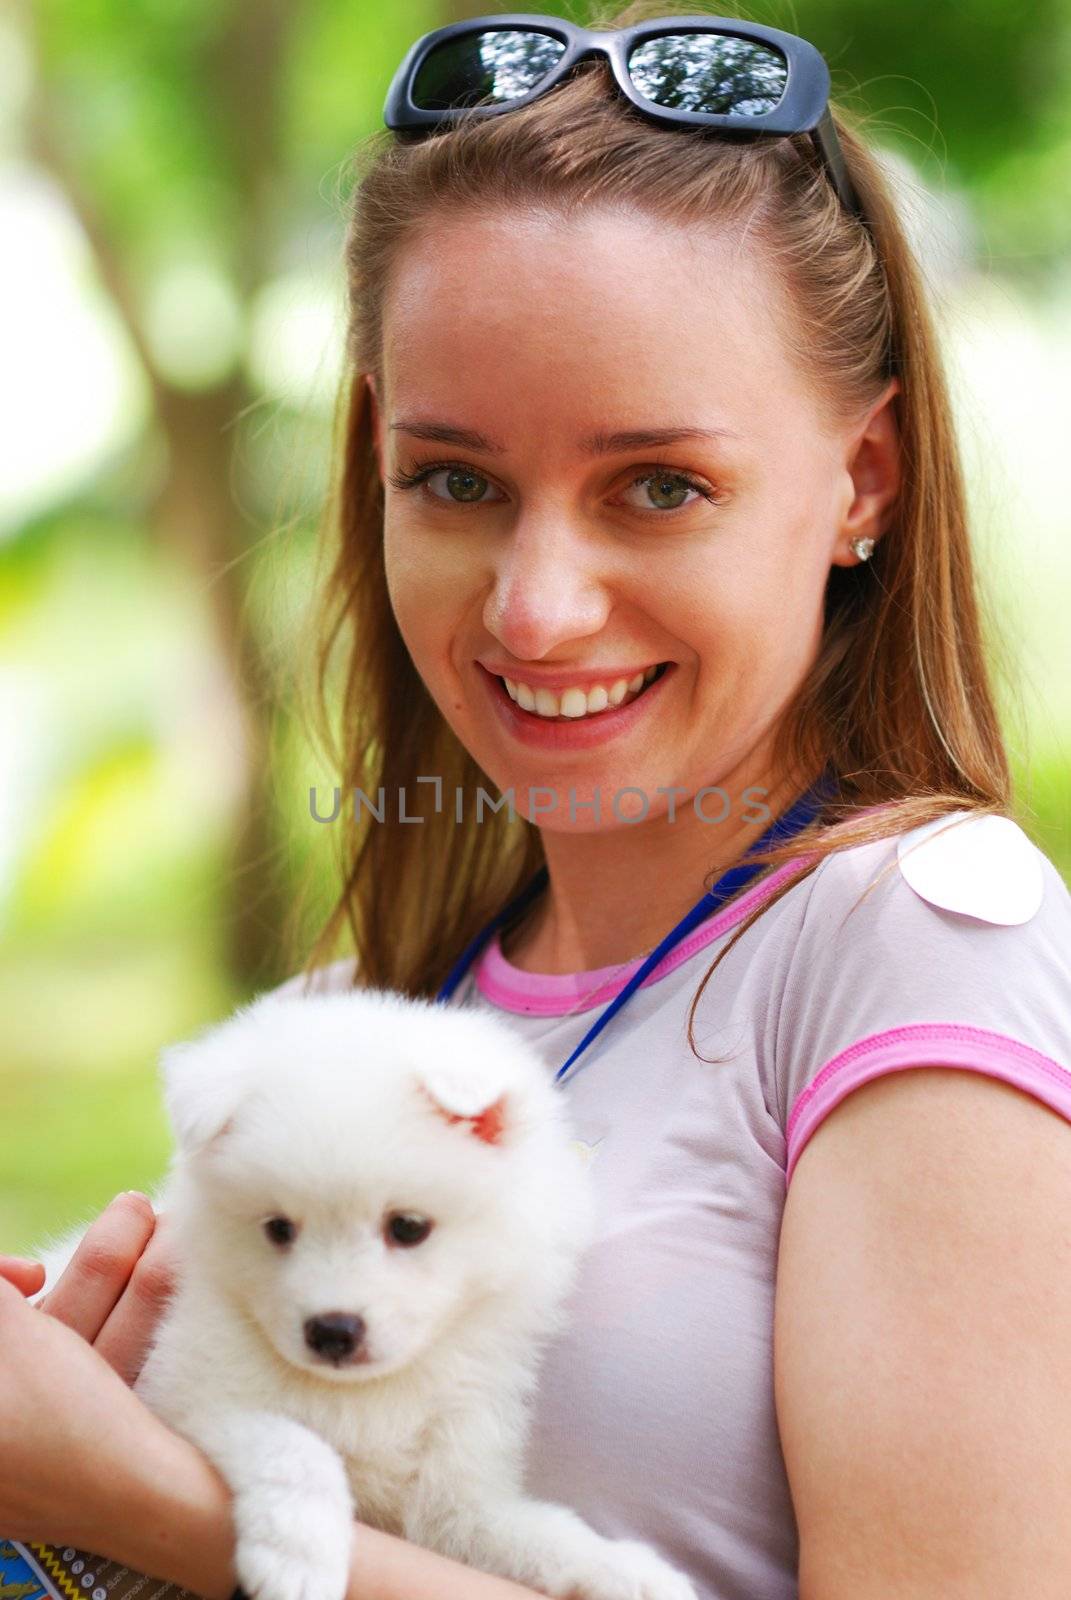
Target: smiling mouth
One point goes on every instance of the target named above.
(578, 705)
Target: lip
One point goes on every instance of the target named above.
(587, 681)
(580, 733)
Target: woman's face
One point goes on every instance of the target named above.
(626, 469)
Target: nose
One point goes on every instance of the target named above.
(546, 591)
(334, 1335)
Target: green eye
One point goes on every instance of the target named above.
(666, 491)
(464, 485)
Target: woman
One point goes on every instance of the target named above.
(650, 517)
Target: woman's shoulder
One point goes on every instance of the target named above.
(974, 867)
(943, 944)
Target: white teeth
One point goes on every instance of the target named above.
(575, 702)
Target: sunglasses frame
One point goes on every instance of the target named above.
(803, 108)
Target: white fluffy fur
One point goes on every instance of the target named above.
(329, 1110)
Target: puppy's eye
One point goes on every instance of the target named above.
(408, 1228)
(281, 1230)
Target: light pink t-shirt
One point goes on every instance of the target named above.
(655, 1415)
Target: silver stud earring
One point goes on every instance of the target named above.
(863, 548)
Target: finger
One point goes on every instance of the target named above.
(98, 1272)
(27, 1276)
(11, 1302)
(125, 1338)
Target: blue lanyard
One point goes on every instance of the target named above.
(789, 823)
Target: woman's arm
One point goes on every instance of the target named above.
(922, 1348)
(386, 1568)
(184, 1532)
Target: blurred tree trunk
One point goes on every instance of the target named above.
(196, 514)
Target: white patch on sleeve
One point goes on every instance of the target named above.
(985, 867)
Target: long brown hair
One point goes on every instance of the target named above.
(898, 703)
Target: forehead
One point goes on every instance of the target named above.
(603, 306)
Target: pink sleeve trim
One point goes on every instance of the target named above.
(925, 1044)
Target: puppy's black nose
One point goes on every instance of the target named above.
(335, 1335)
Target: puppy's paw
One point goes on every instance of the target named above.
(269, 1572)
(297, 1552)
(293, 1508)
(626, 1569)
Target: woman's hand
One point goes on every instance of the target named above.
(75, 1441)
(66, 1407)
(117, 1283)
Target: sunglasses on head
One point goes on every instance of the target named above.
(700, 72)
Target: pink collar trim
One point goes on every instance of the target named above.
(547, 994)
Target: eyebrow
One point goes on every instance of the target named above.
(595, 444)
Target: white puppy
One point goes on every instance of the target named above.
(378, 1213)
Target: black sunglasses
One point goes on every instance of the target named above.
(703, 72)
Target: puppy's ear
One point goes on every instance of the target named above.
(471, 1093)
(203, 1087)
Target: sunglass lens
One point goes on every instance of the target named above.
(709, 72)
(498, 65)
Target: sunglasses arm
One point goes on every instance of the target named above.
(829, 150)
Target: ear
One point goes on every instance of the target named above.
(874, 467)
(470, 1093)
(377, 419)
(203, 1088)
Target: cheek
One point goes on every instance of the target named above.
(751, 617)
(767, 579)
(427, 594)
(726, 611)
(405, 572)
